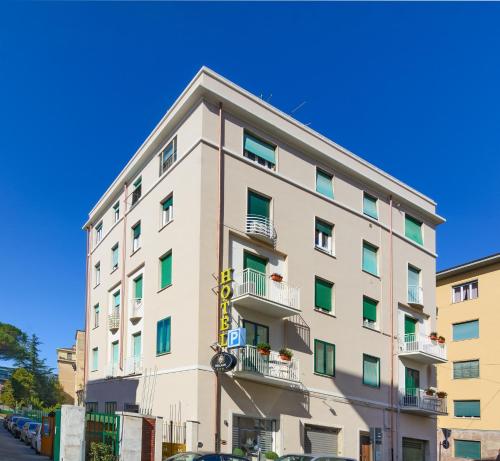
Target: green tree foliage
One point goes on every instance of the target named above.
(13, 342)
(19, 390)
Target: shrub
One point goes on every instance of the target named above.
(271, 455)
(238, 452)
(101, 452)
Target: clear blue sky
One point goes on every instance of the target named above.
(405, 86)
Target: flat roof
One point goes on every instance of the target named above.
(469, 266)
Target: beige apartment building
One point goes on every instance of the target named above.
(467, 300)
(329, 258)
(71, 369)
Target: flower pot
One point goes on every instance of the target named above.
(441, 340)
(276, 277)
(433, 338)
(430, 393)
(264, 352)
(441, 395)
(285, 357)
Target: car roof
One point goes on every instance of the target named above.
(319, 455)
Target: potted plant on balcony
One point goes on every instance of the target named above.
(430, 391)
(441, 340)
(433, 336)
(264, 348)
(276, 277)
(285, 354)
(441, 394)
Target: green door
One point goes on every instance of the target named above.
(57, 436)
(138, 287)
(115, 353)
(255, 278)
(410, 328)
(412, 384)
(258, 205)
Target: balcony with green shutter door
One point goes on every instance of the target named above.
(419, 401)
(259, 224)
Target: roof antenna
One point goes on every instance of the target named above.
(269, 97)
(302, 104)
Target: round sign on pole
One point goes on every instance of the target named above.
(223, 362)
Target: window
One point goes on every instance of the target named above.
(413, 229)
(115, 354)
(95, 358)
(69, 356)
(370, 207)
(98, 233)
(163, 336)
(323, 294)
(138, 287)
(109, 407)
(166, 270)
(136, 237)
(97, 274)
(114, 257)
(465, 291)
(168, 156)
(167, 210)
(324, 183)
(466, 330)
(136, 346)
(92, 407)
(259, 151)
(414, 286)
(324, 358)
(466, 369)
(323, 236)
(116, 211)
(137, 192)
(256, 333)
(258, 205)
(470, 449)
(467, 408)
(371, 370)
(370, 258)
(116, 300)
(369, 312)
(96, 315)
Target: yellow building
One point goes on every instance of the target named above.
(468, 316)
(70, 365)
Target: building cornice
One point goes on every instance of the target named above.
(469, 266)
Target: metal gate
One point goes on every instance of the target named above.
(174, 438)
(102, 428)
(320, 439)
(57, 435)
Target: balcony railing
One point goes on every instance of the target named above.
(133, 365)
(261, 227)
(417, 400)
(415, 295)
(136, 309)
(250, 361)
(259, 285)
(112, 370)
(414, 344)
(114, 319)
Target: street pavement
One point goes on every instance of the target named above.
(12, 449)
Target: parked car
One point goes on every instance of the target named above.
(8, 419)
(36, 440)
(28, 430)
(314, 457)
(12, 421)
(204, 456)
(17, 427)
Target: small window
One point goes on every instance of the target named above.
(466, 330)
(116, 300)
(109, 407)
(323, 294)
(167, 210)
(136, 237)
(91, 407)
(324, 183)
(166, 270)
(168, 156)
(467, 408)
(371, 370)
(466, 369)
(95, 358)
(323, 236)
(256, 333)
(370, 207)
(115, 254)
(465, 291)
(116, 211)
(258, 206)
(369, 312)
(415, 291)
(468, 449)
(370, 258)
(98, 233)
(97, 273)
(413, 229)
(137, 192)
(96, 315)
(259, 151)
(115, 354)
(163, 336)
(138, 288)
(324, 358)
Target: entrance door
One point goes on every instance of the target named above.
(413, 450)
(365, 448)
(320, 439)
(255, 277)
(253, 435)
(410, 328)
(412, 385)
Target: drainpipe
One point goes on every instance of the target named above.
(87, 300)
(220, 251)
(123, 290)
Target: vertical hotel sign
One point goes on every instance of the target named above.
(226, 293)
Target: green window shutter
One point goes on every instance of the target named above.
(329, 359)
(137, 345)
(370, 206)
(115, 352)
(413, 229)
(138, 287)
(464, 370)
(323, 227)
(371, 370)
(466, 330)
(370, 258)
(137, 230)
(467, 408)
(95, 358)
(413, 277)
(258, 205)
(163, 336)
(323, 294)
(412, 381)
(251, 261)
(115, 256)
(324, 183)
(166, 270)
(469, 449)
(116, 299)
(168, 203)
(324, 358)
(369, 309)
(259, 148)
(410, 325)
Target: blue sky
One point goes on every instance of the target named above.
(411, 87)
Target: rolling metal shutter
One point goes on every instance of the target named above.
(413, 450)
(319, 439)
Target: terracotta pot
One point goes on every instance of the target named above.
(441, 395)
(429, 393)
(285, 357)
(277, 277)
(264, 352)
(433, 338)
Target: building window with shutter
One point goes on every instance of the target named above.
(466, 330)
(323, 294)
(163, 336)
(468, 449)
(371, 371)
(168, 156)
(323, 236)
(467, 408)
(116, 211)
(370, 312)
(324, 183)
(167, 210)
(413, 229)
(137, 192)
(98, 233)
(324, 358)
(95, 358)
(465, 291)
(259, 151)
(370, 258)
(96, 315)
(136, 237)
(166, 270)
(466, 369)
(97, 273)
(370, 206)
(115, 254)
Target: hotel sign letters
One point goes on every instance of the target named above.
(226, 293)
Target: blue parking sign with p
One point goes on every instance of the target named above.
(236, 337)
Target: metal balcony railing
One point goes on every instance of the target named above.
(414, 343)
(261, 227)
(415, 295)
(114, 319)
(133, 365)
(252, 282)
(168, 162)
(417, 399)
(136, 309)
(251, 361)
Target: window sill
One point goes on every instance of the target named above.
(95, 328)
(114, 270)
(325, 252)
(372, 274)
(375, 218)
(95, 286)
(165, 225)
(371, 386)
(321, 311)
(323, 375)
(376, 330)
(164, 288)
(163, 353)
(135, 251)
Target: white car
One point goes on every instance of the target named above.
(36, 440)
(313, 457)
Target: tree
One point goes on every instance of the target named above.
(20, 389)
(13, 342)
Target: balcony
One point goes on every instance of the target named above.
(266, 368)
(422, 349)
(136, 309)
(114, 320)
(133, 365)
(112, 370)
(255, 290)
(417, 401)
(261, 228)
(415, 296)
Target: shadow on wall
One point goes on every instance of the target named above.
(121, 391)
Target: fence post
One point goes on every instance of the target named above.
(192, 428)
(158, 438)
(72, 432)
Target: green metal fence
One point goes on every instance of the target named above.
(102, 428)
(34, 415)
